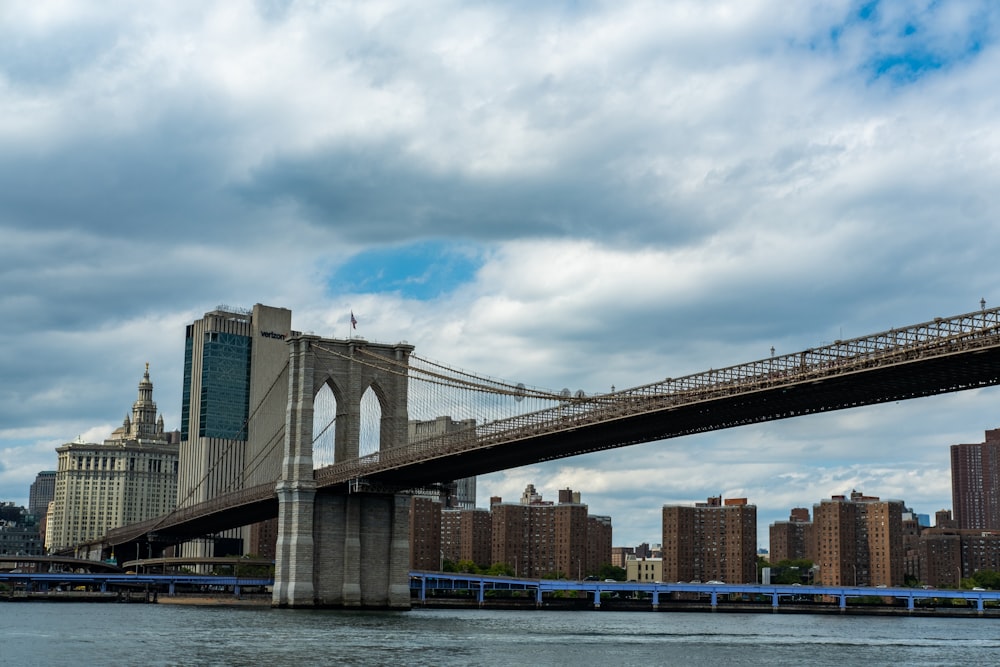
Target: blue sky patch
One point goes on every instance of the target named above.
(420, 271)
(906, 67)
(904, 52)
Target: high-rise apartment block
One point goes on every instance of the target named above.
(946, 554)
(534, 537)
(793, 539)
(425, 534)
(540, 538)
(467, 535)
(599, 536)
(859, 541)
(975, 483)
(235, 395)
(712, 541)
(131, 477)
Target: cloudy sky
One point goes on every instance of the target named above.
(565, 194)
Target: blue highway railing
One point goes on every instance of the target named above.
(422, 582)
(46, 581)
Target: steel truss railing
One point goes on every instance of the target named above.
(936, 338)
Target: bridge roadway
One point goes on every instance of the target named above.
(106, 582)
(940, 356)
(9, 563)
(424, 582)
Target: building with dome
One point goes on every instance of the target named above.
(130, 477)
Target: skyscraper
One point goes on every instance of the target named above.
(975, 483)
(42, 492)
(235, 394)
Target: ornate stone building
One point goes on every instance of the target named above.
(131, 477)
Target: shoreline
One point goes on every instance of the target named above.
(210, 601)
(523, 606)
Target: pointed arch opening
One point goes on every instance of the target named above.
(371, 423)
(324, 427)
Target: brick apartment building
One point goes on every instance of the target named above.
(534, 537)
(975, 483)
(714, 540)
(859, 541)
(467, 535)
(793, 539)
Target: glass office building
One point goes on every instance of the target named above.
(233, 407)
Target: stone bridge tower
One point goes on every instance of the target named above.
(345, 549)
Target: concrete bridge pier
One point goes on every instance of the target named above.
(340, 548)
(344, 551)
(293, 563)
(361, 556)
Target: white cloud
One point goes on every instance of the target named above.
(657, 188)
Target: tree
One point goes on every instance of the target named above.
(608, 571)
(989, 579)
(12, 514)
(790, 571)
(255, 569)
(467, 566)
(500, 570)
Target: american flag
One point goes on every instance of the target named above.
(354, 321)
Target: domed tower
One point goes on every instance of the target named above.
(144, 423)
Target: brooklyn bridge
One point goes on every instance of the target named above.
(331, 514)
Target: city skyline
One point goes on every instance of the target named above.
(763, 524)
(564, 195)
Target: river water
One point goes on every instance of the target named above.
(46, 633)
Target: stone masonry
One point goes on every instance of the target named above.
(341, 549)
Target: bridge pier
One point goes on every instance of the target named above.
(340, 548)
(293, 572)
(346, 551)
(361, 556)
